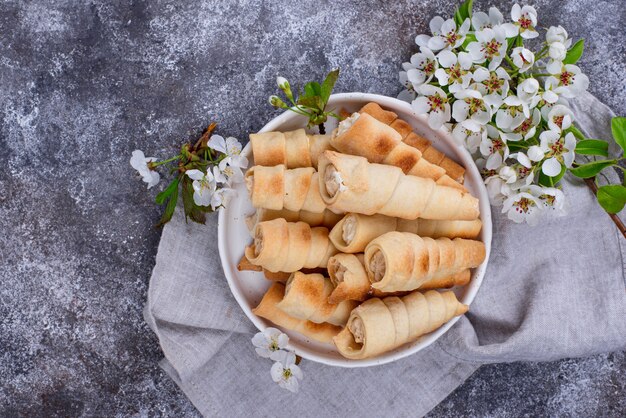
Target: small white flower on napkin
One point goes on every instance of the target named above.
(269, 342)
(285, 372)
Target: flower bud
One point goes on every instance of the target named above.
(277, 102)
(556, 34)
(283, 84)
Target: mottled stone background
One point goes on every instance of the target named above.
(82, 84)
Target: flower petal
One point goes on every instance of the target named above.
(551, 167)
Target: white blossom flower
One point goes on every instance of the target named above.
(526, 129)
(512, 113)
(285, 372)
(560, 118)
(494, 148)
(408, 94)
(523, 58)
(468, 138)
(434, 102)
(445, 34)
(523, 206)
(229, 147)
(480, 21)
(470, 109)
(455, 70)
(497, 189)
(140, 163)
(226, 173)
(557, 51)
(558, 151)
(269, 342)
(204, 186)
(524, 170)
(282, 82)
(493, 85)
(535, 153)
(558, 34)
(526, 19)
(422, 67)
(527, 90)
(553, 199)
(490, 45)
(221, 197)
(508, 174)
(566, 80)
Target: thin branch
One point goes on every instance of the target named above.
(618, 222)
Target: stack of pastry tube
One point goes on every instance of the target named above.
(430, 153)
(349, 183)
(401, 224)
(354, 231)
(362, 134)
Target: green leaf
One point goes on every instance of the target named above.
(463, 12)
(589, 170)
(312, 89)
(618, 127)
(161, 197)
(170, 208)
(314, 102)
(593, 147)
(612, 197)
(328, 84)
(469, 38)
(548, 181)
(575, 52)
(579, 135)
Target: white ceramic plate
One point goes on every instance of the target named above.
(249, 287)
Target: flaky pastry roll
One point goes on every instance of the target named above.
(327, 218)
(349, 183)
(289, 246)
(267, 309)
(380, 325)
(306, 297)
(354, 231)
(292, 149)
(277, 188)
(398, 261)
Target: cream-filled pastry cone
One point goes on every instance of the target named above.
(348, 275)
(380, 325)
(293, 149)
(454, 170)
(362, 134)
(326, 218)
(349, 183)
(267, 309)
(399, 261)
(354, 231)
(277, 188)
(289, 246)
(306, 297)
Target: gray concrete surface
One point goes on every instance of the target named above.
(82, 84)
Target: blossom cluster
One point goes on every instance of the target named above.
(272, 344)
(209, 168)
(505, 103)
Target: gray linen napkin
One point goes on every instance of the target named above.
(557, 290)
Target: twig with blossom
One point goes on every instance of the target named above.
(272, 344)
(204, 172)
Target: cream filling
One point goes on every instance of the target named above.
(333, 181)
(356, 328)
(377, 266)
(347, 123)
(336, 271)
(258, 242)
(348, 229)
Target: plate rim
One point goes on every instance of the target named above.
(471, 291)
